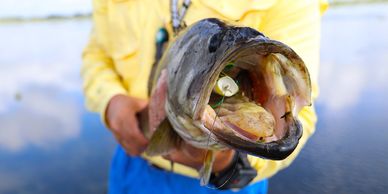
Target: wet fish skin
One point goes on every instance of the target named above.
(194, 61)
(192, 64)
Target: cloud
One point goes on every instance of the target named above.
(43, 8)
(41, 118)
(353, 57)
(40, 65)
(16, 77)
(341, 87)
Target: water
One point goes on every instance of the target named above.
(348, 153)
(49, 143)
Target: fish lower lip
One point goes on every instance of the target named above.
(276, 150)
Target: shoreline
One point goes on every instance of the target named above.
(355, 2)
(88, 16)
(51, 18)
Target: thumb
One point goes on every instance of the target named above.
(140, 104)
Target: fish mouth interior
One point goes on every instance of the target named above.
(250, 71)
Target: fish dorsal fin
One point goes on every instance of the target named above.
(163, 140)
(207, 167)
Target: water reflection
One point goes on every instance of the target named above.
(48, 142)
(40, 119)
(354, 55)
(348, 152)
(40, 54)
(39, 75)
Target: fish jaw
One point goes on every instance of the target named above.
(289, 131)
(243, 142)
(209, 45)
(275, 150)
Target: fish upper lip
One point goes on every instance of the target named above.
(275, 150)
(228, 56)
(191, 100)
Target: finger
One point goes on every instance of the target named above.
(133, 136)
(130, 150)
(133, 125)
(139, 104)
(142, 104)
(179, 156)
(125, 141)
(114, 126)
(124, 136)
(223, 159)
(176, 156)
(194, 153)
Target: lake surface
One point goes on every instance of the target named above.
(49, 143)
(349, 151)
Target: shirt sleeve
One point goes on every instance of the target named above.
(296, 24)
(100, 80)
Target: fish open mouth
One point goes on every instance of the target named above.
(260, 116)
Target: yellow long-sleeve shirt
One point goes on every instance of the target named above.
(121, 50)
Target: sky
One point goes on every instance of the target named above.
(43, 8)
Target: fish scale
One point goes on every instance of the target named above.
(263, 65)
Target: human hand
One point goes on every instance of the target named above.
(122, 121)
(194, 157)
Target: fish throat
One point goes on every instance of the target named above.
(258, 111)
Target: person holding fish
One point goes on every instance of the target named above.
(219, 90)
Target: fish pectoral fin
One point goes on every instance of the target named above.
(163, 140)
(206, 170)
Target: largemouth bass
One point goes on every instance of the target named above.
(220, 86)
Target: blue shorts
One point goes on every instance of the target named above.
(135, 175)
